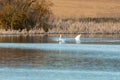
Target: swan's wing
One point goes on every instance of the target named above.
(77, 37)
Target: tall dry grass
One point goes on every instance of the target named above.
(70, 26)
(77, 26)
(74, 26)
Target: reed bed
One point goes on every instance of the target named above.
(74, 27)
(78, 26)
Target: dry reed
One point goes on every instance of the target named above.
(70, 26)
(73, 26)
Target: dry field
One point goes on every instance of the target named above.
(105, 11)
(86, 8)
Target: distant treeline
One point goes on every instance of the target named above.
(97, 20)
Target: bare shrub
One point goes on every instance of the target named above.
(25, 14)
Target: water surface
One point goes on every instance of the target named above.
(41, 57)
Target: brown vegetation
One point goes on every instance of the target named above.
(75, 26)
(89, 26)
(25, 14)
(31, 16)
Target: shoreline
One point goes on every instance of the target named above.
(59, 26)
(36, 33)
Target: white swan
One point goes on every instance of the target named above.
(61, 40)
(77, 38)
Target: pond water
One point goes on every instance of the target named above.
(42, 57)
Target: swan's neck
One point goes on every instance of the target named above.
(60, 36)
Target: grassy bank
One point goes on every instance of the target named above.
(24, 31)
(82, 25)
(86, 25)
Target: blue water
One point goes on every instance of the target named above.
(44, 58)
(36, 74)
